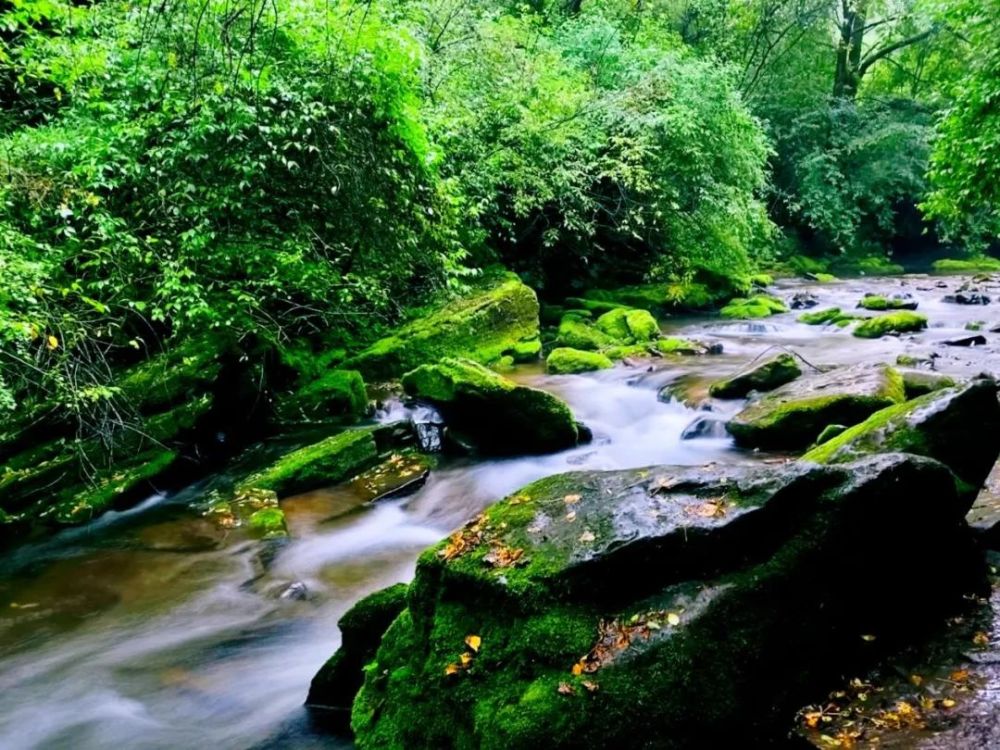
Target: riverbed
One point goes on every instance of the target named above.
(156, 628)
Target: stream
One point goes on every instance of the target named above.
(155, 628)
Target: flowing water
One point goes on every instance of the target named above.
(155, 628)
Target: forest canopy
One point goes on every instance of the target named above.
(284, 169)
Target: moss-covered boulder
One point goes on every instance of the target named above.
(830, 316)
(880, 302)
(766, 376)
(629, 326)
(958, 426)
(320, 464)
(794, 415)
(337, 394)
(361, 628)
(668, 607)
(566, 361)
(891, 324)
(492, 322)
(498, 415)
(972, 264)
(749, 308)
(575, 332)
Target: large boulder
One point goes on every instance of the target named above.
(336, 394)
(794, 415)
(338, 681)
(496, 321)
(766, 376)
(666, 607)
(498, 415)
(959, 426)
(629, 326)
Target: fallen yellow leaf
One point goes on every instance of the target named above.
(571, 499)
(673, 619)
(473, 642)
(53, 342)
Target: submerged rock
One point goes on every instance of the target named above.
(669, 607)
(977, 340)
(971, 297)
(765, 376)
(958, 426)
(499, 320)
(803, 301)
(500, 416)
(705, 427)
(794, 415)
(563, 361)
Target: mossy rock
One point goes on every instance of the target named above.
(880, 303)
(337, 394)
(825, 278)
(794, 415)
(566, 361)
(268, 523)
(361, 628)
(912, 360)
(974, 264)
(958, 426)
(830, 316)
(892, 323)
(918, 383)
(500, 416)
(629, 326)
(829, 432)
(116, 487)
(483, 327)
(595, 307)
(766, 376)
(577, 333)
(761, 280)
(666, 607)
(184, 370)
(527, 350)
(758, 306)
(321, 464)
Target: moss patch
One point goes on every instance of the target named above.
(318, 465)
(565, 361)
(337, 394)
(893, 323)
(974, 264)
(483, 327)
(830, 316)
(501, 416)
(879, 303)
(758, 306)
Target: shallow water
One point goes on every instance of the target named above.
(154, 628)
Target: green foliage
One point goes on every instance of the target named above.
(965, 164)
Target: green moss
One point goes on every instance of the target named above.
(335, 394)
(919, 383)
(909, 360)
(575, 333)
(872, 265)
(879, 303)
(183, 371)
(832, 315)
(75, 506)
(973, 264)
(500, 416)
(825, 278)
(617, 353)
(761, 280)
(766, 376)
(563, 361)
(483, 327)
(593, 306)
(795, 418)
(758, 306)
(268, 522)
(897, 322)
(975, 325)
(829, 432)
(527, 350)
(628, 326)
(318, 465)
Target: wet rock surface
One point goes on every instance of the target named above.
(530, 622)
(794, 415)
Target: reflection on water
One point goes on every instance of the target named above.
(154, 628)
